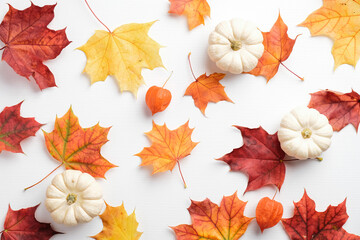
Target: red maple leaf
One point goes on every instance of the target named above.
(308, 224)
(14, 128)
(28, 42)
(22, 225)
(340, 108)
(260, 157)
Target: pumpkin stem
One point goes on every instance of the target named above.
(182, 177)
(192, 71)
(96, 16)
(301, 78)
(167, 79)
(236, 45)
(44, 177)
(71, 198)
(306, 133)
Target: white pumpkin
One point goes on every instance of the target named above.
(305, 133)
(236, 46)
(74, 197)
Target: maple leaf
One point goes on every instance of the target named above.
(22, 224)
(206, 89)
(277, 48)
(261, 157)
(14, 128)
(308, 224)
(340, 21)
(168, 147)
(76, 147)
(122, 53)
(210, 221)
(340, 108)
(118, 224)
(194, 10)
(28, 42)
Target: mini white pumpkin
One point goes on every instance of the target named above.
(74, 197)
(305, 133)
(236, 46)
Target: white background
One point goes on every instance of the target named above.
(161, 201)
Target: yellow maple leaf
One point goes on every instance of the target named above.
(118, 225)
(339, 20)
(122, 53)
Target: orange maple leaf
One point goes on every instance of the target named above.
(168, 147)
(206, 89)
(76, 147)
(212, 222)
(277, 48)
(194, 10)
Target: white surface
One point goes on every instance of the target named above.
(161, 201)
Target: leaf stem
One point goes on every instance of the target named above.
(274, 195)
(192, 71)
(301, 78)
(290, 160)
(182, 177)
(96, 16)
(167, 79)
(44, 177)
(295, 159)
(0, 50)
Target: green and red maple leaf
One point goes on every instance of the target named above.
(22, 225)
(14, 129)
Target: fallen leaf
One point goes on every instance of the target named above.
(210, 221)
(76, 147)
(122, 53)
(194, 10)
(22, 225)
(168, 147)
(340, 108)
(340, 21)
(268, 213)
(28, 42)
(14, 129)
(261, 157)
(308, 224)
(277, 48)
(206, 89)
(118, 225)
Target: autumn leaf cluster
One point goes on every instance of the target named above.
(124, 53)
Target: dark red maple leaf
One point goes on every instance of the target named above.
(22, 225)
(340, 108)
(28, 42)
(14, 128)
(308, 224)
(260, 157)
